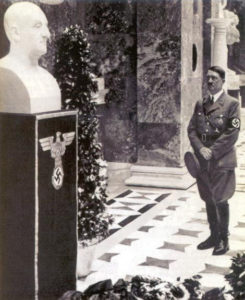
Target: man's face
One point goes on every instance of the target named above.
(215, 82)
(34, 33)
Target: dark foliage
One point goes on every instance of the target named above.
(236, 277)
(73, 72)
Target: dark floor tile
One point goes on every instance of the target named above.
(183, 198)
(155, 262)
(162, 197)
(172, 207)
(128, 220)
(212, 269)
(122, 208)
(197, 220)
(107, 256)
(240, 225)
(130, 203)
(128, 242)
(124, 194)
(192, 233)
(160, 217)
(110, 202)
(145, 228)
(146, 208)
(111, 231)
(173, 246)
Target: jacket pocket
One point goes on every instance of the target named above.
(228, 160)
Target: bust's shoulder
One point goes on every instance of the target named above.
(47, 75)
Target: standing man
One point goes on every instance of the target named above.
(213, 131)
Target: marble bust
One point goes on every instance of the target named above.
(26, 87)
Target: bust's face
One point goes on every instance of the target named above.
(33, 33)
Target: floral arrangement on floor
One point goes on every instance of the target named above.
(146, 288)
(236, 277)
(149, 288)
(73, 72)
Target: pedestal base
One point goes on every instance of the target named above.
(38, 207)
(160, 177)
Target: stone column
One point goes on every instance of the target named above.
(225, 33)
(169, 82)
(219, 51)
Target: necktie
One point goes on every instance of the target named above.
(211, 100)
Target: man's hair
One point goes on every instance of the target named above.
(218, 70)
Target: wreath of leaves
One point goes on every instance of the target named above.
(73, 72)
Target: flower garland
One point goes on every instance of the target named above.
(73, 72)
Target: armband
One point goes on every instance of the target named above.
(234, 123)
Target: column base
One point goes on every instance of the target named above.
(160, 177)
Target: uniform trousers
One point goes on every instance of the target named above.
(216, 186)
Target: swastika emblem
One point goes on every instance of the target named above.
(235, 123)
(57, 150)
(58, 177)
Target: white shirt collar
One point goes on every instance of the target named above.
(217, 95)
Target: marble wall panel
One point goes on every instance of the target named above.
(119, 135)
(158, 16)
(191, 66)
(114, 55)
(111, 26)
(158, 75)
(110, 17)
(159, 144)
(159, 82)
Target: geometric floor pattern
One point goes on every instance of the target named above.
(130, 205)
(165, 246)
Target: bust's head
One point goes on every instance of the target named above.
(26, 27)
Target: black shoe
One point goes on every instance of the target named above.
(221, 248)
(207, 244)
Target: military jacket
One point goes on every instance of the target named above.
(216, 126)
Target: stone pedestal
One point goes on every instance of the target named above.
(169, 82)
(160, 177)
(38, 207)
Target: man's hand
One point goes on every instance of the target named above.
(206, 153)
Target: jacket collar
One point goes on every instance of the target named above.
(219, 102)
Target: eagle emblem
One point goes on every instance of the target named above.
(57, 150)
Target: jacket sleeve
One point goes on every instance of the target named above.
(228, 138)
(192, 132)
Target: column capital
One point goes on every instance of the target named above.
(219, 22)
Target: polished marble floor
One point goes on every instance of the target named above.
(156, 232)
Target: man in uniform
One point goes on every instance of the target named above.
(213, 131)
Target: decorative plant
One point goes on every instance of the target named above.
(73, 72)
(236, 277)
(142, 287)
